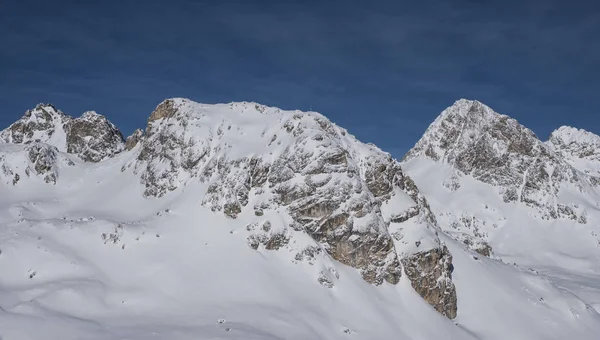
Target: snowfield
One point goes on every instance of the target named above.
(141, 247)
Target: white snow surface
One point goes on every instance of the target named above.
(579, 147)
(91, 257)
(561, 253)
(47, 115)
(100, 139)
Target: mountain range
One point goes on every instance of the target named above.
(242, 221)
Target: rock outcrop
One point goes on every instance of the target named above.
(430, 273)
(133, 140)
(578, 147)
(44, 124)
(32, 160)
(497, 150)
(350, 199)
(92, 137)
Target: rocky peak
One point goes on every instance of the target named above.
(579, 147)
(92, 137)
(44, 123)
(19, 162)
(346, 195)
(470, 124)
(166, 109)
(497, 150)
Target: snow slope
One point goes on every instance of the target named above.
(184, 236)
(579, 147)
(554, 235)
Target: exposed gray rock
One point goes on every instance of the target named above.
(332, 186)
(43, 158)
(166, 109)
(133, 140)
(33, 160)
(430, 274)
(474, 243)
(497, 150)
(322, 181)
(326, 278)
(43, 124)
(92, 137)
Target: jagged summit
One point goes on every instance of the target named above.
(470, 124)
(348, 196)
(496, 149)
(268, 210)
(183, 107)
(92, 137)
(471, 153)
(91, 115)
(248, 160)
(43, 123)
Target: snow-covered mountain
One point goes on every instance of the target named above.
(241, 221)
(92, 137)
(578, 147)
(496, 187)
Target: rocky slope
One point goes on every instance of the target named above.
(578, 147)
(351, 198)
(471, 141)
(497, 150)
(36, 159)
(255, 158)
(92, 137)
(243, 221)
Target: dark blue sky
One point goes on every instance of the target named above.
(382, 69)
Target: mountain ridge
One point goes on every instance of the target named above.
(337, 189)
(209, 194)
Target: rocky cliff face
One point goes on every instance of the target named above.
(430, 273)
(44, 124)
(92, 137)
(488, 174)
(255, 160)
(133, 140)
(351, 199)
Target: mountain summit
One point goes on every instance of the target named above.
(578, 147)
(498, 189)
(92, 137)
(497, 150)
(244, 221)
